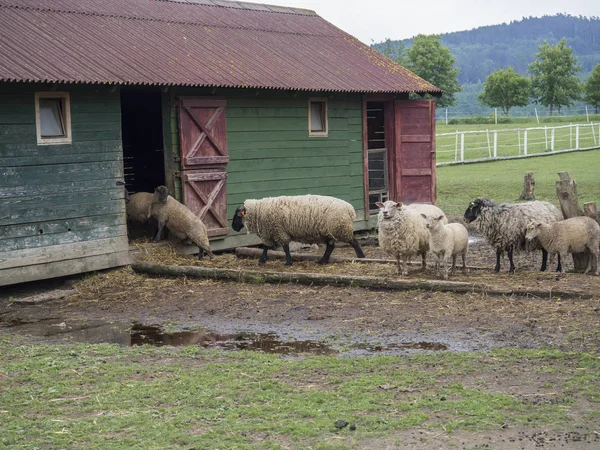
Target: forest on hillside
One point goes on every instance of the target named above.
(483, 50)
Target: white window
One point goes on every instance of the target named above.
(317, 117)
(53, 118)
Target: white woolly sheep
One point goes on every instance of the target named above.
(504, 225)
(310, 219)
(574, 235)
(447, 241)
(178, 218)
(138, 207)
(402, 231)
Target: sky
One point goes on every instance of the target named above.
(375, 20)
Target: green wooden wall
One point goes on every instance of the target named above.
(60, 210)
(271, 152)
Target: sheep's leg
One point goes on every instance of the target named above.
(357, 249)
(561, 256)
(438, 268)
(398, 265)
(424, 261)
(453, 268)
(464, 260)
(559, 265)
(159, 232)
(200, 253)
(405, 271)
(498, 254)
(510, 258)
(327, 254)
(544, 260)
(445, 266)
(263, 257)
(288, 256)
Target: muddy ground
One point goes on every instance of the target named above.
(347, 321)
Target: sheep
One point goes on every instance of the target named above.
(447, 241)
(138, 207)
(178, 218)
(402, 231)
(504, 225)
(574, 235)
(310, 219)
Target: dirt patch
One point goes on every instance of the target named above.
(352, 321)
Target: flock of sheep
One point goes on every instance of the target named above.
(404, 230)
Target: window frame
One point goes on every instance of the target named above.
(66, 112)
(325, 118)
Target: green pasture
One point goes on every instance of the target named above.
(502, 181)
(514, 139)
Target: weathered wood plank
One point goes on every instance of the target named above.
(279, 163)
(317, 184)
(43, 255)
(62, 197)
(63, 212)
(291, 148)
(63, 268)
(20, 149)
(34, 175)
(11, 232)
(15, 161)
(68, 237)
(53, 188)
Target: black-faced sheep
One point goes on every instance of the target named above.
(178, 218)
(574, 235)
(446, 241)
(402, 231)
(309, 219)
(504, 225)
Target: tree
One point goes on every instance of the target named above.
(505, 89)
(554, 76)
(434, 62)
(393, 51)
(592, 88)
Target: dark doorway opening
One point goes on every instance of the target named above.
(378, 137)
(143, 152)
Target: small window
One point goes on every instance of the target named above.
(317, 117)
(53, 118)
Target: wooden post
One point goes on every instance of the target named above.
(590, 210)
(566, 190)
(528, 187)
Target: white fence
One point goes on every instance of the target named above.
(482, 145)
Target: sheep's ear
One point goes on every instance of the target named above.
(423, 216)
(399, 205)
(537, 224)
(379, 204)
(441, 217)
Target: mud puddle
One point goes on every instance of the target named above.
(131, 334)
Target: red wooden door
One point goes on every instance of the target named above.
(414, 151)
(204, 157)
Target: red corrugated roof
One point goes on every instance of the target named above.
(189, 43)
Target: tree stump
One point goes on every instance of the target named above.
(566, 190)
(528, 187)
(590, 210)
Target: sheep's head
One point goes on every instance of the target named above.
(238, 218)
(389, 208)
(161, 193)
(532, 230)
(432, 222)
(473, 210)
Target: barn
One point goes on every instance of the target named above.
(220, 101)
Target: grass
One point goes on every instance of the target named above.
(503, 180)
(106, 396)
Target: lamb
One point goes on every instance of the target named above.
(178, 218)
(402, 231)
(138, 207)
(310, 219)
(504, 225)
(447, 241)
(574, 235)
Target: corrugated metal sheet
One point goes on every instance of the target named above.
(189, 43)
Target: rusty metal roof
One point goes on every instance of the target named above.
(190, 43)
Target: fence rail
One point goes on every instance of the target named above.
(483, 145)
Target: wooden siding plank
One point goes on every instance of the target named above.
(33, 175)
(23, 258)
(63, 268)
(39, 160)
(286, 163)
(60, 226)
(62, 197)
(64, 212)
(47, 240)
(52, 188)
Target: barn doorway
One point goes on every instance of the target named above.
(143, 151)
(378, 150)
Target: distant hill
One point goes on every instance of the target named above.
(482, 50)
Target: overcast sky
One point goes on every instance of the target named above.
(376, 20)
